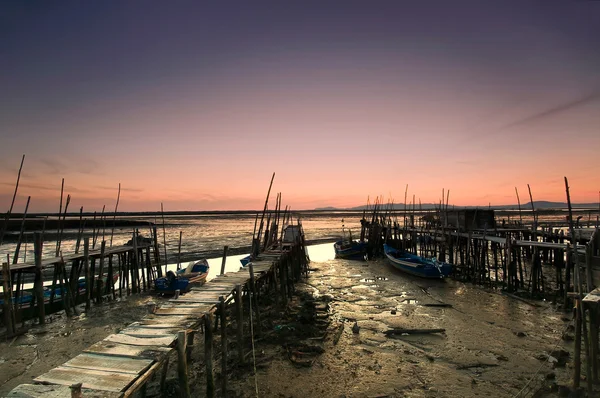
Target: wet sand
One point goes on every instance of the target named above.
(492, 344)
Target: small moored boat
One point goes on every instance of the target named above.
(169, 284)
(195, 272)
(350, 249)
(417, 265)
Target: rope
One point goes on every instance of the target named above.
(252, 338)
(543, 363)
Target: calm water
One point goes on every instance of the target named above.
(205, 235)
(202, 236)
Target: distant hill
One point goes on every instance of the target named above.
(540, 204)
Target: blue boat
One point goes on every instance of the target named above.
(196, 271)
(170, 283)
(246, 260)
(350, 249)
(417, 265)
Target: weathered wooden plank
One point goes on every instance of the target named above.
(93, 379)
(158, 321)
(55, 391)
(201, 301)
(126, 350)
(173, 325)
(108, 363)
(164, 341)
(177, 311)
(132, 389)
(150, 332)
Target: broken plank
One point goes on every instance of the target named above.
(109, 363)
(413, 331)
(149, 332)
(164, 341)
(178, 311)
(200, 301)
(132, 389)
(94, 379)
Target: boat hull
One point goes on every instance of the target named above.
(196, 272)
(356, 250)
(416, 265)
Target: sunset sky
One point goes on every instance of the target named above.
(196, 104)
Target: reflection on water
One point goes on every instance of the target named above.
(205, 235)
(321, 253)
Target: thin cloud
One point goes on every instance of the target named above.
(115, 188)
(554, 111)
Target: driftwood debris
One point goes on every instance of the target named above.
(443, 305)
(395, 331)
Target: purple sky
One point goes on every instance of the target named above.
(196, 104)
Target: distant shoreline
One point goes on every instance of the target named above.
(525, 208)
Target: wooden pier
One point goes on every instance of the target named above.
(134, 266)
(125, 363)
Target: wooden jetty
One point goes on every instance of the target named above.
(513, 257)
(135, 266)
(124, 363)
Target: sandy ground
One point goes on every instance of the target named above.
(45, 347)
(492, 344)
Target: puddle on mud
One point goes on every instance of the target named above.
(409, 301)
(375, 279)
(362, 286)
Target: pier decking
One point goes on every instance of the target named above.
(122, 362)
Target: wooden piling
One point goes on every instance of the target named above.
(208, 355)
(224, 260)
(38, 285)
(98, 292)
(86, 265)
(163, 377)
(254, 295)
(182, 368)
(240, 323)
(223, 313)
(7, 305)
(577, 353)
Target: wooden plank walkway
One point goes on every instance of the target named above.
(51, 261)
(121, 363)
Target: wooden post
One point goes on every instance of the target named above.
(163, 376)
(224, 259)
(7, 306)
(577, 354)
(98, 292)
(223, 346)
(208, 346)
(240, 322)
(64, 289)
(76, 390)
(190, 345)
(156, 251)
(182, 364)
(179, 251)
(134, 266)
(86, 265)
(68, 294)
(254, 295)
(39, 283)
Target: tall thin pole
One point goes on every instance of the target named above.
(519, 202)
(112, 231)
(6, 218)
(162, 211)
